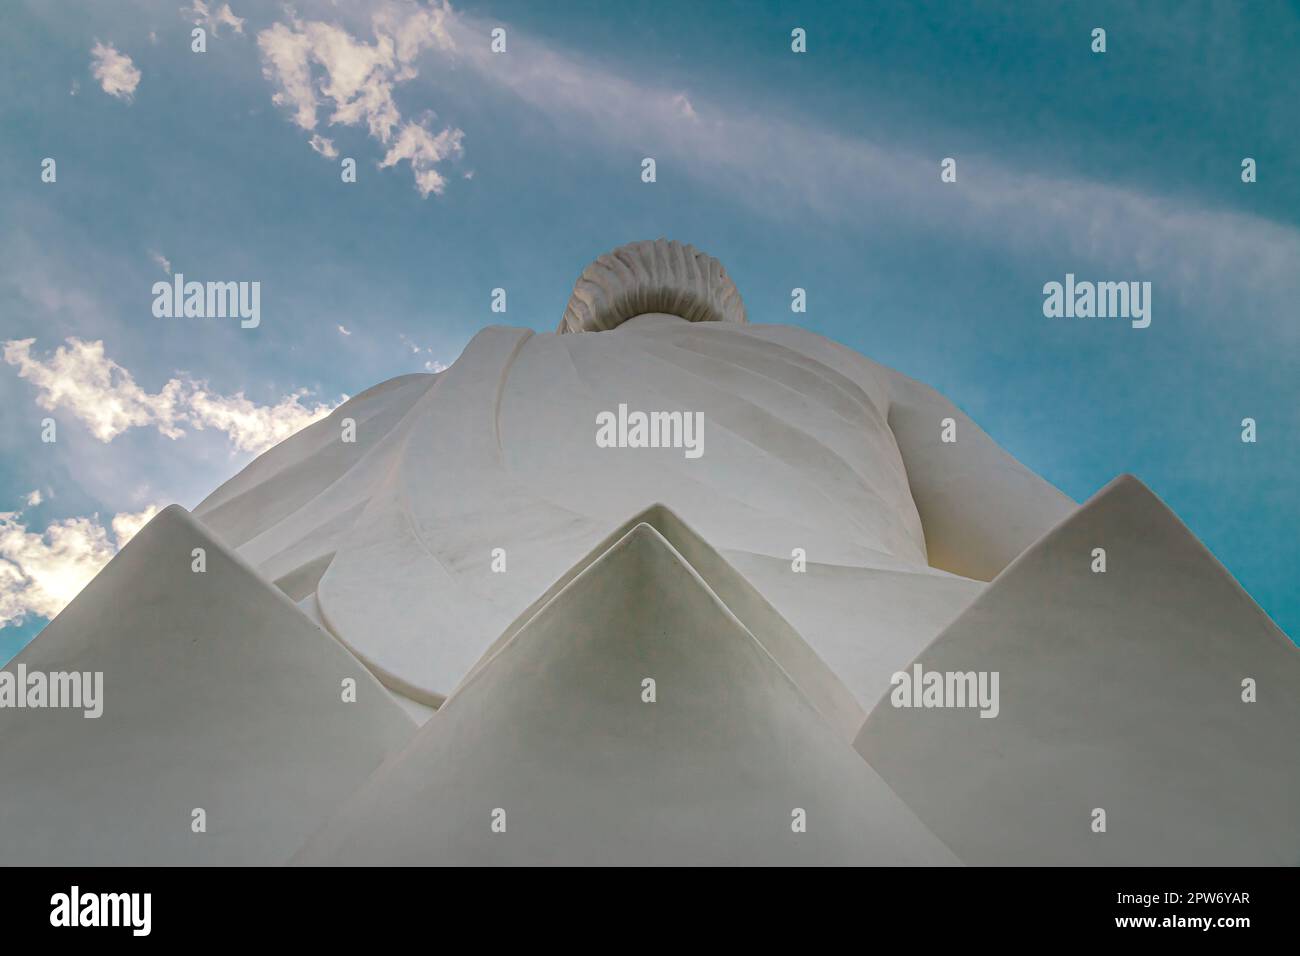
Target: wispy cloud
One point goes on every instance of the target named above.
(430, 364)
(782, 167)
(81, 379)
(315, 65)
(162, 262)
(212, 20)
(423, 150)
(684, 107)
(116, 74)
(323, 146)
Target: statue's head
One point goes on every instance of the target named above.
(648, 278)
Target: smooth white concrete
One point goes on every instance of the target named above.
(818, 683)
(217, 694)
(554, 730)
(499, 452)
(1119, 690)
(866, 623)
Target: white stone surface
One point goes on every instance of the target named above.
(554, 731)
(217, 694)
(499, 452)
(1119, 690)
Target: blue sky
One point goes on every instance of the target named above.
(818, 170)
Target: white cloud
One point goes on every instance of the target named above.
(286, 62)
(323, 146)
(114, 71)
(40, 573)
(423, 151)
(162, 262)
(344, 330)
(127, 524)
(433, 365)
(81, 379)
(414, 30)
(315, 65)
(34, 498)
(213, 20)
(252, 427)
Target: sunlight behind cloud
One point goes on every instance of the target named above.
(41, 572)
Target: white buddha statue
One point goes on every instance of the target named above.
(641, 591)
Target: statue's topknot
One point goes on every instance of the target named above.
(651, 276)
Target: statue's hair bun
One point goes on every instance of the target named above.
(651, 276)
